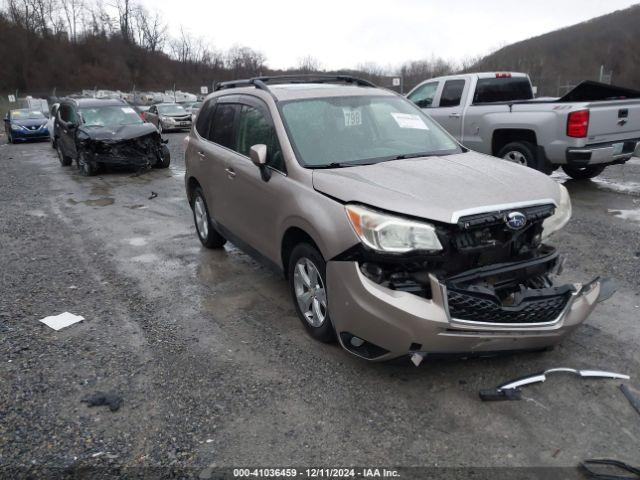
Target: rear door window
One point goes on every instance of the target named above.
(452, 93)
(223, 125)
(423, 96)
(502, 90)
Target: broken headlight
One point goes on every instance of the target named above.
(561, 216)
(389, 233)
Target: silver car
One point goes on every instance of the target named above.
(395, 239)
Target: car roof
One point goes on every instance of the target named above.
(95, 102)
(297, 91)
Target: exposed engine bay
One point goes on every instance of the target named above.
(130, 145)
(493, 273)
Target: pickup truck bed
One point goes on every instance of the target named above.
(592, 126)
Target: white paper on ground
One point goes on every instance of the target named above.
(58, 322)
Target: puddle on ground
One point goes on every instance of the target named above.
(146, 258)
(36, 213)
(137, 241)
(100, 190)
(96, 202)
(633, 215)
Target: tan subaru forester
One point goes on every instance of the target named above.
(395, 239)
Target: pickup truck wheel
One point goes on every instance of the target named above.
(582, 173)
(307, 282)
(208, 235)
(522, 153)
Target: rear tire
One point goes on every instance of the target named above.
(208, 235)
(583, 173)
(522, 153)
(307, 283)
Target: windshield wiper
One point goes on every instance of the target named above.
(339, 165)
(404, 156)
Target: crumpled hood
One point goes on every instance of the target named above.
(439, 188)
(118, 133)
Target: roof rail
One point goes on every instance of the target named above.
(261, 82)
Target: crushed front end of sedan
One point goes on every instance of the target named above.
(130, 145)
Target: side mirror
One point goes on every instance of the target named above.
(258, 154)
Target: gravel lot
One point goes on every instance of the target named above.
(215, 370)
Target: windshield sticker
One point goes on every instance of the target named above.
(408, 120)
(352, 116)
(128, 110)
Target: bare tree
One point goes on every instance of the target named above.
(125, 9)
(73, 11)
(150, 29)
(244, 62)
(309, 64)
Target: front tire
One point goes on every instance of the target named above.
(86, 166)
(65, 161)
(164, 157)
(307, 283)
(208, 235)
(583, 173)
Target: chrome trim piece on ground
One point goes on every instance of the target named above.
(511, 390)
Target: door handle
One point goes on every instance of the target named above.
(202, 155)
(230, 172)
(454, 115)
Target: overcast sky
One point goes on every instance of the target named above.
(345, 33)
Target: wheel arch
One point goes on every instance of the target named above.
(504, 136)
(192, 184)
(293, 236)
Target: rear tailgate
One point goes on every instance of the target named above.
(614, 120)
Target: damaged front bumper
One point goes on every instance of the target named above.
(457, 317)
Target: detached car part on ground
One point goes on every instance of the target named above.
(99, 133)
(395, 239)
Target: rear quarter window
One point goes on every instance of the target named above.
(204, 118)
(502, 90)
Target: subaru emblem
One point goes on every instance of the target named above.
(516, 220)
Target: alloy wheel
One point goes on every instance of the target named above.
(200, 212)
(516, 157)
(310, 292)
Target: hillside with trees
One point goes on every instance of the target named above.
(70, 45)
(564, 57)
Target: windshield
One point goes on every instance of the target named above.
(357, 130)
(172, 110)
(24, 114)
(110, 116)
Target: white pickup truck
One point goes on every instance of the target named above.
(592, 126)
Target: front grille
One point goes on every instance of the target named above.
(466, 306)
